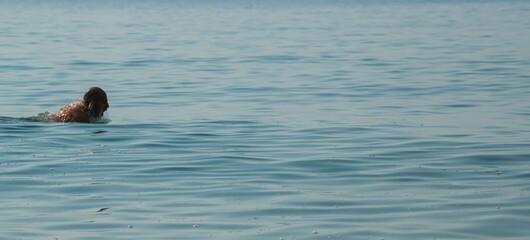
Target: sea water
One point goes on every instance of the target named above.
(267, 120)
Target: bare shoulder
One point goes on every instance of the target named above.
(90, 109)
(73, 112)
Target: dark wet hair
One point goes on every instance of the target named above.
(95, 101)
(94, 94)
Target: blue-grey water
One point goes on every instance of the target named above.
(267, 120)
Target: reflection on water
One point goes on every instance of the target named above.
(277, 120)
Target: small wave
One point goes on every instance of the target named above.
(41, 117)
(44, 117)
(8, 119)
(49, 117)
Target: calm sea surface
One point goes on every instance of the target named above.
(267, 120)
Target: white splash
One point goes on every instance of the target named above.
(100, 120)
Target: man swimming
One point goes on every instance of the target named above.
(90, 109)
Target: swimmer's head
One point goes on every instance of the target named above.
(95, 101)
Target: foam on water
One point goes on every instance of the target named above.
(42, 117)
(101, 120)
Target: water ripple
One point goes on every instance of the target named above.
(267, 120)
